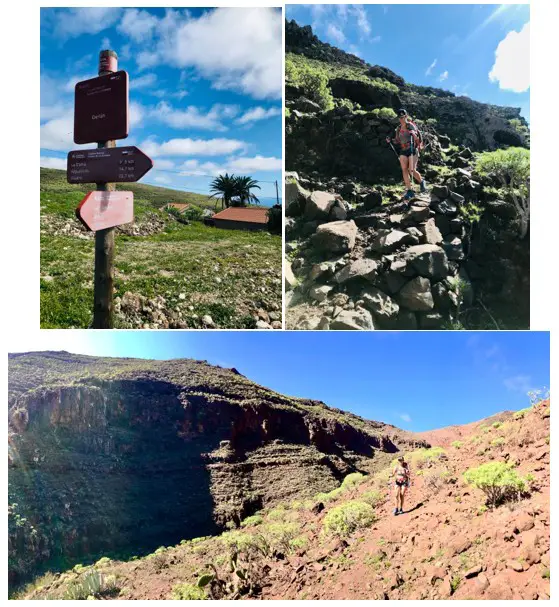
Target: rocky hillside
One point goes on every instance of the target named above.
(116, 457)
(358, 258)
(454, 540)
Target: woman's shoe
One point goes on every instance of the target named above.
(409, 194)
(396, 511)
(423, 187)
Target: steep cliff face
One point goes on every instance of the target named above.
(119, 456)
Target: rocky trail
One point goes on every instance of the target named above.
(357, 256)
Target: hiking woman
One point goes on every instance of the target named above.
(401, 475)
(408, 141)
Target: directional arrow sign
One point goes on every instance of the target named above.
(107, 165)
(101, 210)
(101, 108)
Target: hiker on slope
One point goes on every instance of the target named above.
(402, 477)
(408, 142)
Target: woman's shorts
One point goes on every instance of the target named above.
(402, 483)
(407, 153)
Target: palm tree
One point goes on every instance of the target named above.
(243, 185)
(224, 187)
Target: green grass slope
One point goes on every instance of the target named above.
(194, 270)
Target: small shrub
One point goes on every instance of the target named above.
(420, 458)
(88, 584)
(498, 442)
(497, 424)
(352, 480)
(545, 574)
(279, 535)
(372, 497)
(346, 518)
(278, 513)
(457, 444)
(103, 561)
(287, 112)
(499, 481)
(187, 592)
(313, 80)
(298, 542)
(386, 113)
(248, 543)
(520, 414)
(435, 478)
(454, 583)
(328, 497)
(252, 521)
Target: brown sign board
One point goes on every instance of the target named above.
(101, 210)
(107, 165)
(101, 108)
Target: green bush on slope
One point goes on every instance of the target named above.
(346, 518)
(499, 481)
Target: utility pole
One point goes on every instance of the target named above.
(103, 306)
(277, 193)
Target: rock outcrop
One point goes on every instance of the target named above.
(120, 456)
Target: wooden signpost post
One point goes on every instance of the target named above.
(101, 115)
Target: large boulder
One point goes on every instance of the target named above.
(379, 303)
(416, 295)
(357, 320)
(360, 268)
(335, 237)
(386, 241)
(428, 260)
(431, 232)
(318, 205)
(295, 198)
(453, 248)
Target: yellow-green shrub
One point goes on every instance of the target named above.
(187, 592)
(346, 518)
(499, 481)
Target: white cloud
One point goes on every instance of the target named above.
(443, 76)
(192, 117)
(256, 163)
(431, 67)
(49, 162)
(236, 48)
(165, 164)
(201, 169)
(143, 82)
(105, 44)
(362, 21)
(239, 164)
(258, 113)
(73, 22)
(336, 33)
(512, 61)
(58, 133)
(162, 179)
(138, 24)
(136, 114)
(192, 147)
(518, 383)
(405, 417)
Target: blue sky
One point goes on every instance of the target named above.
(205, 88)
(414, 380)
(481, 51)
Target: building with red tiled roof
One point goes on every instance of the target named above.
(180, 206)
(242, 218)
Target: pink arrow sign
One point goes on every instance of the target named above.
(102, 210)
